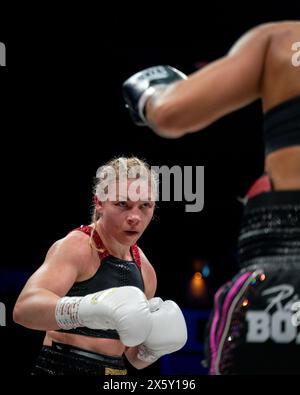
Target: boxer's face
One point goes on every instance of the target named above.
(127, 211)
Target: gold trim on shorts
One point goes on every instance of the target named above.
(112, 371)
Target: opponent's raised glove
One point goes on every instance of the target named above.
(125, 309)
(169, 331)
(141, 86)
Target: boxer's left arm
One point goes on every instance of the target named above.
(169, 332)
(219, 88)
(150, 281)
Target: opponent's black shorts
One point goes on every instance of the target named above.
(254, 328)
(61, 359)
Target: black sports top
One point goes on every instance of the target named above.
(113, 272)
(282, 125)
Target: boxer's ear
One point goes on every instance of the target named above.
(98, 205)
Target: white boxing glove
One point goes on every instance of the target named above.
(125, 309)
(169, 331)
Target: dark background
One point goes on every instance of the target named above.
(63, 116)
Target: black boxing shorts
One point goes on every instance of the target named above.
(254, 327)
(61, 359)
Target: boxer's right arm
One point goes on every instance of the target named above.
(43, 306)
(63, 265)
(125, 309)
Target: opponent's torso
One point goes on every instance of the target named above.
(281, 133)
(280, 83)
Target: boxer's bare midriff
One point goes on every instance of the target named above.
(283, 167)
(111, 347)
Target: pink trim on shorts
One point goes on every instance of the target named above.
(215, 340)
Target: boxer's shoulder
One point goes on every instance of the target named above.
(73, 248)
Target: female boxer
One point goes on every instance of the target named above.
(94, 293)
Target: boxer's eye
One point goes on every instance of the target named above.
(121, 204)
(147, 205)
